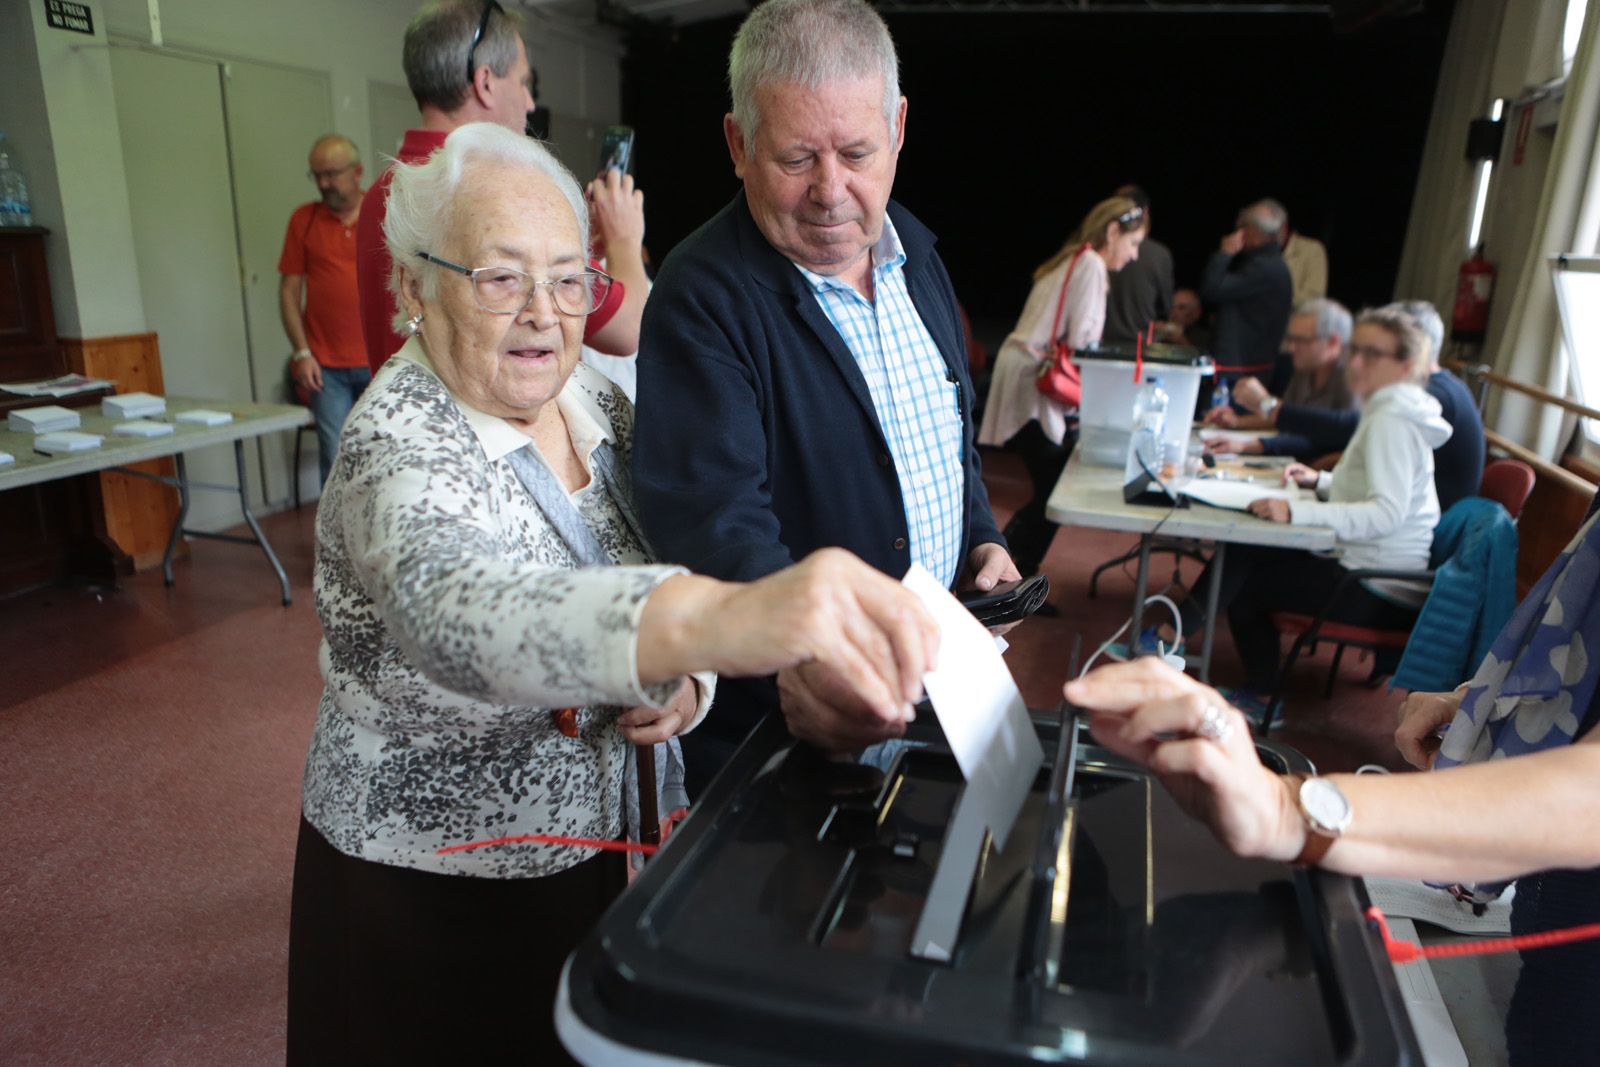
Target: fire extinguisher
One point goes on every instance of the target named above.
(1474, 289)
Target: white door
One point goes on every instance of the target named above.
(174, 145)
(273, 115)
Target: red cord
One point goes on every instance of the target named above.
(1410, 951)
(602, 844)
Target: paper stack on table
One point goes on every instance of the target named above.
(6, 457)
(43, 420)
(66, 441)
(133, 406)
(205, 417)
(1231, 494)
(143, 428)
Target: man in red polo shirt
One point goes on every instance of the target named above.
(317, 293)
(465, 62)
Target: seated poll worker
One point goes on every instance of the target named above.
(498, 637)
(1379, 500)
(1512, 793)
(1319, 332)
(802, 375)
(1457, 464)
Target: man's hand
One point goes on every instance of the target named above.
(307, 374)
(1301, 475)
(1223, 416)
(617, 210)
(1249, 392)
(1234, 444)
(1233, 243)
(1270, 508)
(1421, 717)
(987, 566)
(650, 726)
(820, 708)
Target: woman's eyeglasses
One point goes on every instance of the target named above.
(507, 291)
(489, 7)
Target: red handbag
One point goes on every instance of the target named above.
(1060, 379)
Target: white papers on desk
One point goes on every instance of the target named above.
(45, 419)
(54, 444)
(204, 417)
(1404, 898)
(6, 457)
(143, 428)
(980, 709)
(133, 406)
(1223, 493)
(65, 385)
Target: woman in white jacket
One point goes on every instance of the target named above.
(1379, 499)
(1067, 304)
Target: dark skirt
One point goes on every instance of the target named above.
(390, 965)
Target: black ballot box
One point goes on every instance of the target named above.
(777, 927)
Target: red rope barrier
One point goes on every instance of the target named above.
(1410, 951)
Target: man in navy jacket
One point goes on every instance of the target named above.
(802, 372)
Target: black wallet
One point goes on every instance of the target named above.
(1007, 602)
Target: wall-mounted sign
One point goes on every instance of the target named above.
(64, 15)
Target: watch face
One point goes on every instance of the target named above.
(1326, 804)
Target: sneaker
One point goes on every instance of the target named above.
(1252, 704)
(1149, 643)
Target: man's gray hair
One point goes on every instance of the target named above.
(1268, 216)
(420, 196)
(812, 43)
(436, 44)
(1333, 318)
(1426, 316)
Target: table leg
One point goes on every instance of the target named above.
(177, 524)
(1212, 591)
(1140, 585)
(255, 528)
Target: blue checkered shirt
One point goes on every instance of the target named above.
(917, 402)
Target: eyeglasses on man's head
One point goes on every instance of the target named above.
(489, 7)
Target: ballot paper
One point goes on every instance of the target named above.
(1221, 493)
(45, 419)
(66, 441)
(143, 428)
(980, 708)
(132, 405)
(205, 416)
(6, 457)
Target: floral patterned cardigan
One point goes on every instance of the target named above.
(454, 618)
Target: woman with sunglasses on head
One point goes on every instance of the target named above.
(498, 639)
(1067, 306)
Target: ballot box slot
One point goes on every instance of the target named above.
(1047, 904)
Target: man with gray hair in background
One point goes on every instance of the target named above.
(1319, 332)
(802, 373)
(465, 61)
(1248, 288)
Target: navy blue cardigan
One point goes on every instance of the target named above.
(756, 440)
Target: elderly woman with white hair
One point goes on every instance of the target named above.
(497, 638)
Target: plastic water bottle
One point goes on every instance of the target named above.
(15, 207)
(1220, 395)
(1149, 429)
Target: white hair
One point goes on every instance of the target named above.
(1426, 316)
(420, 195)
(1333, 318)
(812, 43)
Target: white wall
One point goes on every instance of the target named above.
(56, 106)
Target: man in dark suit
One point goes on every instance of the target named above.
(1142, 291)
(802, 375)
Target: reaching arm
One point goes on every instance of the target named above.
(291, 298)
(1393, 451)
(618, 215)
(1327, 431)
(1435, 826)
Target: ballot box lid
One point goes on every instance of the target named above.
(775, 928)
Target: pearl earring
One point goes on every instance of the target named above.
(414, 323)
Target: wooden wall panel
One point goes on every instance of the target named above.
(138, 514)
